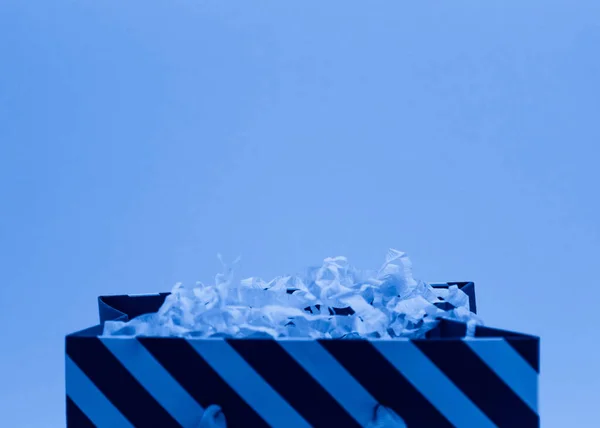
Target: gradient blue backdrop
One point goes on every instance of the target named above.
(138, 139)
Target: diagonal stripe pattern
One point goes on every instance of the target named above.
(434, 385)
(333, 377)
(155, 379)
(508, 365)
(85, 399)
(202, 381)
(117, 384)
(168, 382)
(479, 382)
(293, 383)
(76, 417)
(389, 387)
(234, 370)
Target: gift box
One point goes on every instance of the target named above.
(443, 380)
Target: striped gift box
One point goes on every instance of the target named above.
(444, 380)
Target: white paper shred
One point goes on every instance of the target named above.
(387, 303)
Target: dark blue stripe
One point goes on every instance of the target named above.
(117, 384)
(201, 381)
(293, 383)
(481, 384)
(76, 418)
(390, 388)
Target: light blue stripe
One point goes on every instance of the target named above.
(248, 384)
(155, 379)
(433, 384)
(90, 400)
(334, 378)
(510, 366)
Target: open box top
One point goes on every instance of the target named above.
(128, 306)
(443, 380)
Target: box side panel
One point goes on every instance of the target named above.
(299, 383)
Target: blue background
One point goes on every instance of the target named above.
(138, 139)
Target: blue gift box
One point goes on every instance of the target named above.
(444, 380)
